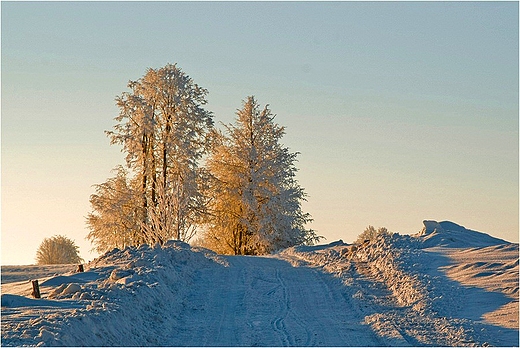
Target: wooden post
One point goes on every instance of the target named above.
(80, 269)
(36, 289)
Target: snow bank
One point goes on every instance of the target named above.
(428, 300)
(125, 298)
(402, 308)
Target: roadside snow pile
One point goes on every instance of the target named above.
(402, 310)
(388, 259)
(124, 298)
(434, 297)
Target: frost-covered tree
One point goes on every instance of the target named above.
(115, 220)
(178, 211)
(163, 128)
(255, 199)
(57, 250)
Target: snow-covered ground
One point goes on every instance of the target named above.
(445, 286)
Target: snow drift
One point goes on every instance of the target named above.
(449, 234)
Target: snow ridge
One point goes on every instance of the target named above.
(393, 261)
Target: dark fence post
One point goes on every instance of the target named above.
(36, 289)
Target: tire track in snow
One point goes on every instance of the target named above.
(318, 314)
(278, 323)
(286, 315)
(264, 301)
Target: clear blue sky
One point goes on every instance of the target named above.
(401, 111)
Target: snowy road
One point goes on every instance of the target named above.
(389, 292)
(264, 301)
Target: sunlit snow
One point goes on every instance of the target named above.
(446, 286)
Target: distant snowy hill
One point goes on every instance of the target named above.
(449, 234)
(445, 286)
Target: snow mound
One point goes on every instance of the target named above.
(126, 297)
(450, 234)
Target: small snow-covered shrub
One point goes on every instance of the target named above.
(370, 233)
(57, 250)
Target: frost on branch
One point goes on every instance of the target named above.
(255, 200)
(163, 129)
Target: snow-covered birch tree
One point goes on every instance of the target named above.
(255, 199)
(115, 219)
(163, 129)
